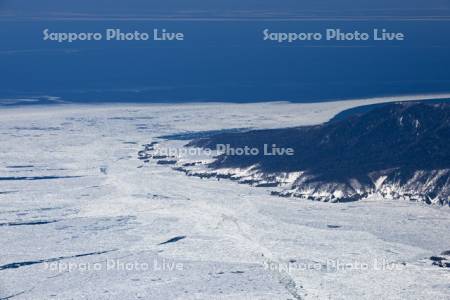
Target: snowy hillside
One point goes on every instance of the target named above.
(397, 151)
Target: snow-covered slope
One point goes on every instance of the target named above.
(397, 151)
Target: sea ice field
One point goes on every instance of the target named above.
(82, 217)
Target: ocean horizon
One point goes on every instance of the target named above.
(222, 61)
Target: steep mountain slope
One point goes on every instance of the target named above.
(398, 150)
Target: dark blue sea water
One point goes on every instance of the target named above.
(222, 61)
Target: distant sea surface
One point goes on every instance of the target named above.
(222, 61)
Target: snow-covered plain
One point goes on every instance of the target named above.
(81, 217)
